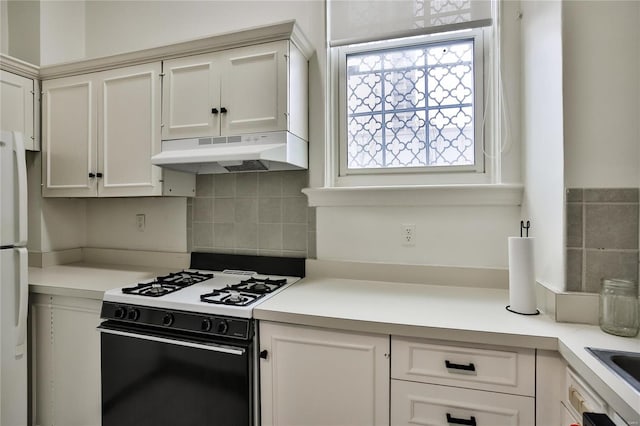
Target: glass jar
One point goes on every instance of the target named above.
(619, 307)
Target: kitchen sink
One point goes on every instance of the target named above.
(624, 364)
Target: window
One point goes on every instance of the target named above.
(412, 105)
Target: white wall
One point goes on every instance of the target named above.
(111, 223)
(542, 136)
(452, 236)
(62, 31)
(602, 93)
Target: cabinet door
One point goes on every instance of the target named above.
(69, 137)
(254, 89)
(17, 106)
(191, 90)
(129, 131)
(66, 361)
(322, 377)
(434, 405)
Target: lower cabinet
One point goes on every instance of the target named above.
(311, 376)
(65, 348)
(435, 405)
(439, 383)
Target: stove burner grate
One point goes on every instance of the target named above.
(228, 296)
(167, 284)
(259, 285)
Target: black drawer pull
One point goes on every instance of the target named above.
(468, 367)
(456, 421)
(223, 110)
(214, 110)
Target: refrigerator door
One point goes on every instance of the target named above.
(13, 328)
(13, 190)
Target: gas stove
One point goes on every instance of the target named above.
(191, 332)
(231, 293)
(217, 303)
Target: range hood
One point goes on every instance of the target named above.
(244, 153)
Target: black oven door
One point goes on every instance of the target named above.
(150, 378)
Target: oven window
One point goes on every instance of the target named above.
(149, 382)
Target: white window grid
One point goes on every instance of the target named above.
(343, 53)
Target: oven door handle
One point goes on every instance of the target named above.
(208, 347)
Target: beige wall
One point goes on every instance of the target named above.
(602, 93)
(62, 31)
(111, 223)
(23, 31)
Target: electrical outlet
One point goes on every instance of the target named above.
(140, 219)
(408, 234)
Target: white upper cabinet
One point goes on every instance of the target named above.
(191, 90)
(254, 89)
(236, 91)
(100, 131)
(129, 131)
(69, 136)
(17, 106)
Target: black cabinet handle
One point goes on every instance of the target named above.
(223, 110)
(468, 367)
(455, 421)
(214, 110)
(92, 175)
(264, 354)
(99, 175)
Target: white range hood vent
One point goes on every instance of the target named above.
(244, 153)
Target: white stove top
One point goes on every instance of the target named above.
(188, 298)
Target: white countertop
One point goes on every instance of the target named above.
(87, 280)
(465, 314)
(475, 315)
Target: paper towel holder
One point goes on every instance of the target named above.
(524, 232)
(508, 308)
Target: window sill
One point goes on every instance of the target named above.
(417, 195)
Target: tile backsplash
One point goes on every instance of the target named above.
(602, 236)
(252, 213)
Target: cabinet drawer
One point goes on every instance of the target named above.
(436, 405)
(500, 369)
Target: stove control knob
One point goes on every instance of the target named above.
(133, 314)
(167, 320)
(222, 327)
(206, 324)
(119, 312)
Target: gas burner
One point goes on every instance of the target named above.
(167, 283)
(259, 285)
(185, 278)
(228, 296)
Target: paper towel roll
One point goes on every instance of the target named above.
(522, 278)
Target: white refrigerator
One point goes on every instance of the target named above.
(13, 280)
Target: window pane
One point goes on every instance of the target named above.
(411, 107)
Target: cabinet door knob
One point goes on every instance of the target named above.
(214, 110)
(92, 175)
(99, 175)
(223, 110)
(264, 354)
